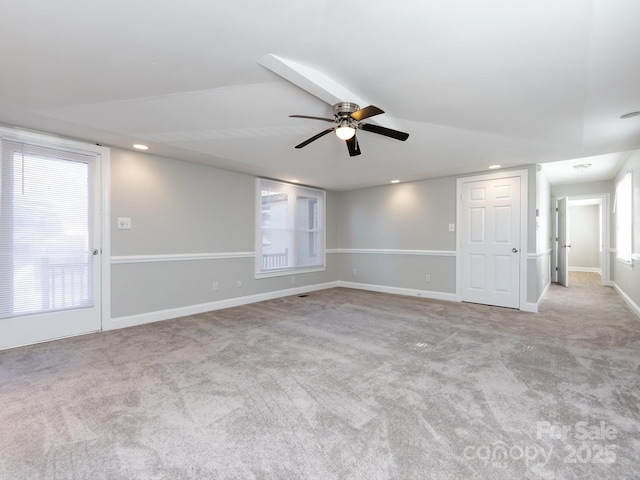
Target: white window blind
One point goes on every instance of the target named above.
(46, 230)
(290, 229)
(624, 218)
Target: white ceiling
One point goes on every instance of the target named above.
(580, 170)
(475, 82)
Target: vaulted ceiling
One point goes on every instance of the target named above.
(474, 82)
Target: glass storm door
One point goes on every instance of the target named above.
(49, 244)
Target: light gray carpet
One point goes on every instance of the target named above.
(340, 384)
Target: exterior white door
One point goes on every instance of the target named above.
(490, 242)
(49, 243)
(563, 243)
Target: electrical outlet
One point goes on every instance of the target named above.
(293, 280)
(239, 283)
(124, 223)
(215, 286)
(355, 272)
(427, 277)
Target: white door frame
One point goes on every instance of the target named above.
(524, 220)
(103, 164)
(605, 230)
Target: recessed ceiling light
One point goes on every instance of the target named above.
(395, 181)
(493, 167)
(295, 181)
(139, 146)
(581, 167)
(630, 114)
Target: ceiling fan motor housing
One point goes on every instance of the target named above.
(344, 109)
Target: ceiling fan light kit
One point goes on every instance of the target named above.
(347, 117)
(345, 132)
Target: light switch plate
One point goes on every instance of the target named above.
(452, 227)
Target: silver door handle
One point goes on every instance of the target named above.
(514, 250)
(95, 251)
(566, 246)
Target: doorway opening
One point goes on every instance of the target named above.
(581, 240)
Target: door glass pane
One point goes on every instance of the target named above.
(45, 257)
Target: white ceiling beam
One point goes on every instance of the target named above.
(316, 83)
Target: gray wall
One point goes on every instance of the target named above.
(179, 207)
(584, 236)
(413, 216)
(543, 206)
(628, 278)
(184, 208)
(544, 231)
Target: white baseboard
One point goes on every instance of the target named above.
(585, 269)
(142, 318)
(451, 297)
(157, 316)
(545, 290)
(150, 317)
(533, 306)
(633, 305)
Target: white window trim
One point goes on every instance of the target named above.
(258, 233)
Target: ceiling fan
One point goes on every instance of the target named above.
(347, 117)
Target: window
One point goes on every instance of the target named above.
(45, 215)
(290, 228)
(624, 219)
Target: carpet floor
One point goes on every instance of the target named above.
(338, 384)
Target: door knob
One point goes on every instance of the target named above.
(514, 250)
(95, 251)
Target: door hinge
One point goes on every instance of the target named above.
(556, 269)
(556, 209)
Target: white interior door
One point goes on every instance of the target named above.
(490, 242)
(563, 243)
(49, 243)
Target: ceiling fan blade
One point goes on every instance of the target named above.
(353, 147)
(314, 138)
(387, 132)
(366, 112)
(332, 120)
